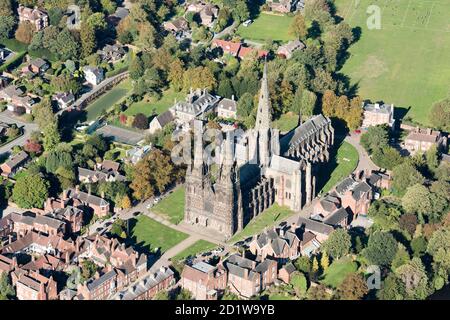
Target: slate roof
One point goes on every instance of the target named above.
(315, 226)
(303, 132)
(345, 185)
(165, 118)
(87, 198)
(17, 159)
(336, 217)
(227, 104)
(283, 164)
(360, 189)
(92, 285)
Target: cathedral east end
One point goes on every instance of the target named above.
(257, 168)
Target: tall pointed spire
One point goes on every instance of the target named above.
(263, 116)
(198, 144)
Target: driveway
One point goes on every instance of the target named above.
(364, 162)
(28, 128)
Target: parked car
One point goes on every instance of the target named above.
(135, 214)
(247, 22)
(156, 200)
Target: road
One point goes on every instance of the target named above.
(364, 162)
(28, 128)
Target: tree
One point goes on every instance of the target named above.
(419, 246)
(43, 114)
(245, 105)
(298, 27)
(156, 172)
(392, 288)
(51, 136)
(410, 203)
(88, 269)
(405, 175)
(401, 257)
(415, 278)
(25, 32)
(199, 77)
(381, 248)
(137, 68)
(439, 248)
(140, 121)
(338, 244)
(386, 157)
(6, 8)
(88, 39)
(315, 265)
(7, 24)
(126, 202)
(303, 264)
(324, 261)
(376, 137)
(318, 292)
(298, 281)
(6, 289)
(408, 222)
(33, 147)
(118, 228)
(30, 191)
(440, 115)
(175, 75)
(354, 287)
(329, 101)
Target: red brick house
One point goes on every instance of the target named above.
(34, 286)
(203, 280)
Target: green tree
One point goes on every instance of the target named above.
(88, 269)
(298, 281)
(405, 175)
(6, 289)
(88, 39)
(7, 24)
(392, 288)
(415, 278)
(303, 264)
(401, 257)
(381, 248)
(30, 191)
(375, 138)
(338, 244)
(52, 136)
(440, 114)
(410, 203)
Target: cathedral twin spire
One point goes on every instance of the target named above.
(263, 116)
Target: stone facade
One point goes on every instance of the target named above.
(257, 168)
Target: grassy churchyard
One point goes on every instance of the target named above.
(267, 218)
(108, 99)
(337, 272)
(345, 162)
(151, 234)
(198, 247)
(406, 62)
(267, 26)
(172, 206)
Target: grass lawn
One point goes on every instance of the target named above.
(337, 272)
(345, 162)
(152, 234)
(269, 217)
(172, 206)
(407, 61)
(159, 106)
(18, 46)
(108, 99)
(198, 247)
(267, 26)
(286, 122)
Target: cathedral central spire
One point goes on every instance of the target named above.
(263, 116)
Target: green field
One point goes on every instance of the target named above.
(151, 234)
(267, 26)
(108, 99)
(268, 218)
(198, 247)
(160, 106)
(346, 161)
(407, 61)
(337, 272)
(172, 206)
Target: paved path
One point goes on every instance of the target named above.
(28, 128)
(364, 161)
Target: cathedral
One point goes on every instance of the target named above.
(256, 168)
